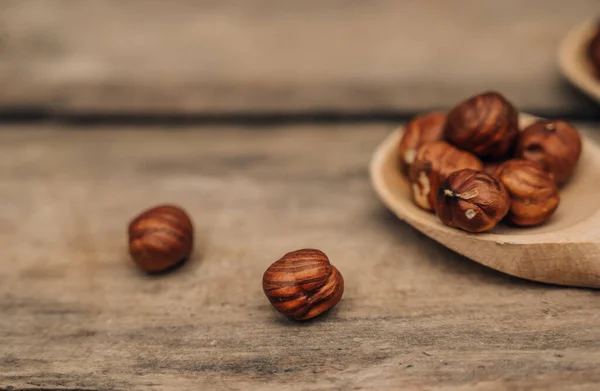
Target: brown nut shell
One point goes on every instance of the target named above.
(534, 195)
(485, 125)
(160, 238)
(434, 162)
(554, 145)
(472, 200)
(303, 284)
(420, 130)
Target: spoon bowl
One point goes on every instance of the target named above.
(565, 250)
(574, 62)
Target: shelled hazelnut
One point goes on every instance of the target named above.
(472, 200)
(419, 131)
(303, 284)
(534, 195)
(160, 238)
(485, 125)
(434, 162)
(554, 145)
(491, 167)
(482, 168)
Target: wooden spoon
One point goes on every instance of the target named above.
(565, 250)
(574, 62)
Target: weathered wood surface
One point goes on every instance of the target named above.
(237, 56)
(75, 314)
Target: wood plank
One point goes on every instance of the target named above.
(77, 315)
(235, 56)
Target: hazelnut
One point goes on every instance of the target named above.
(303, 284)
(491, 167)
(160, 238)
(554, 145)
(534, 195)
(434, 162)
(471, 200)
(486, 125)
(594, 50)
(420, 130)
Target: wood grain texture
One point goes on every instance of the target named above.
(76, 314)
(261, 56)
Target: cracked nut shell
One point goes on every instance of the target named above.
(434, 162)
(554, 145)
(472, 200)
(303, 284)
(419, 131)
(160, 238)
(534, 195)
(486, 125)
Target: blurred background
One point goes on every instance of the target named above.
(241, 58)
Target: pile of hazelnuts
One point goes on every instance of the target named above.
(474, 167)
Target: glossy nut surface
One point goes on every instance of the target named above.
(534, 195)
(420, 130)
(160, 238)
(434, 162)
(303, 284)
(472, 200)
(552, 144)
(486, 125)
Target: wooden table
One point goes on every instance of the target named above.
(149, 57)
(75, 314)
(225, 102)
